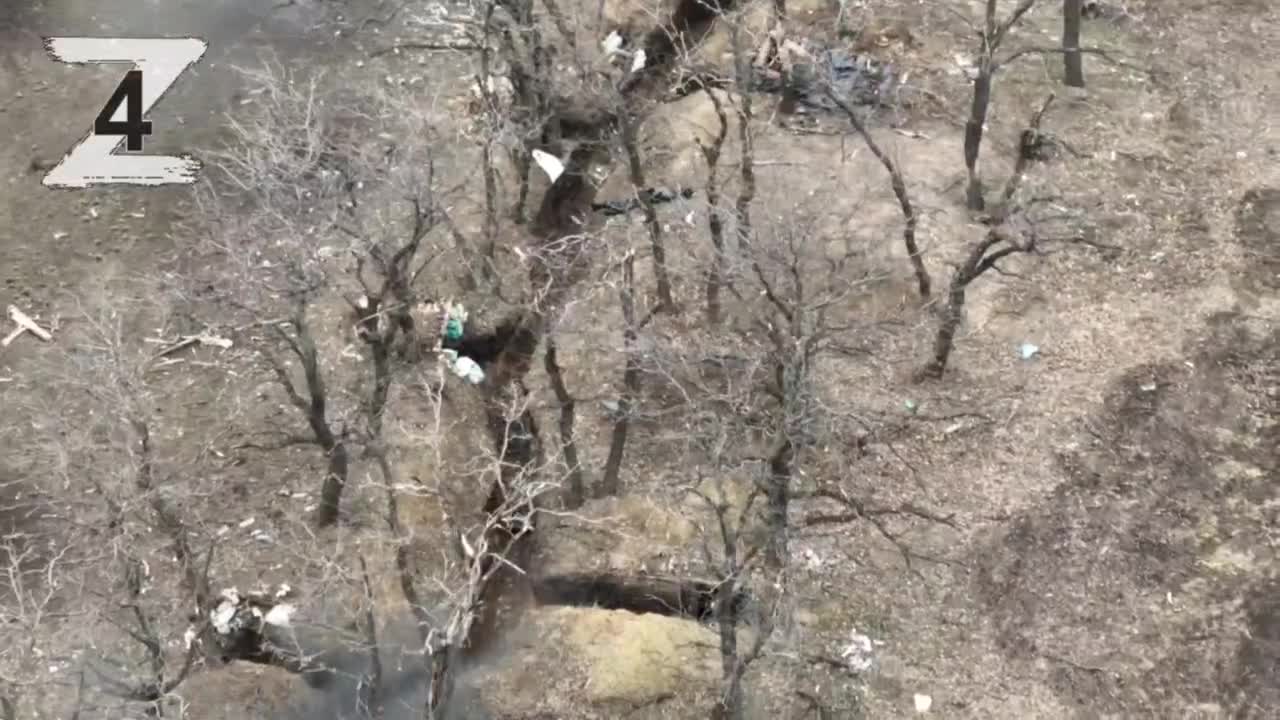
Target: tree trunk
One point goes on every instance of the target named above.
(489, 249)
(730, 706)
(630, 385)
(576, 494)
(1073, 59)
(747, 189)
(899, 185)
(715, 277)
(944, 341)
(715, 220)
(779, 501)
(318, 418)
(973, 133)
(335, 480)
(635, 170)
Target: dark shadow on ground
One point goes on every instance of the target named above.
(1145, 582)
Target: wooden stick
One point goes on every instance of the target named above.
(24, 321)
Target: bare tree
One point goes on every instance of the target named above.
(635, 169)
(630, 379)
(899, 185)
(715, 215)
(129, 563)
(1001, 240)
(992, 35)
(737, 556)
(299, 189)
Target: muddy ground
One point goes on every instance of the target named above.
(1116, 497)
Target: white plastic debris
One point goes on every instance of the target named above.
(222, 616)
(859, 653)
(246, 523)
(637, 61)
(549, 163)
(923, 703)
(189, 638)
(613, 43)
(811, 559)
(279, 615)
(467, 368)
(1028, 351)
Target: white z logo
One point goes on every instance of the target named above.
(92, 160)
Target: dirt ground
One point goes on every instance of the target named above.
(1117, 498)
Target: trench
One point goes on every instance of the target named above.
(507, 354)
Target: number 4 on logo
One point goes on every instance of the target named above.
(133, 127)
(157, 63)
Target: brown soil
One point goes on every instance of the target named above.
(1116, 498)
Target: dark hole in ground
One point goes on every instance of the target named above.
(674, 597)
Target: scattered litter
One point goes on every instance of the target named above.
(811, 559)
(246, 523)
(58, 235)
(172, 346)
(457, 315)
(911, 406)
(1028, 351)
(25, 324)
(965, 66)
(637, 62)
(1147, 387)
(549, 163)
(856, 79)
(859, 654)
(613, 43)
(189, 637)
(283, 590)
(923, 703)
(653, 196)
(222, 615)
(93, 213)
(465, 367)
(913, 134)
(261, 535)
(279, 615)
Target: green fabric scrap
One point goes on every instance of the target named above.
(453, 330)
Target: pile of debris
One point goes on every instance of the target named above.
(451, 318)
(802, 74)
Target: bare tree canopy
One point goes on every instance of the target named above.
(532, 360)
